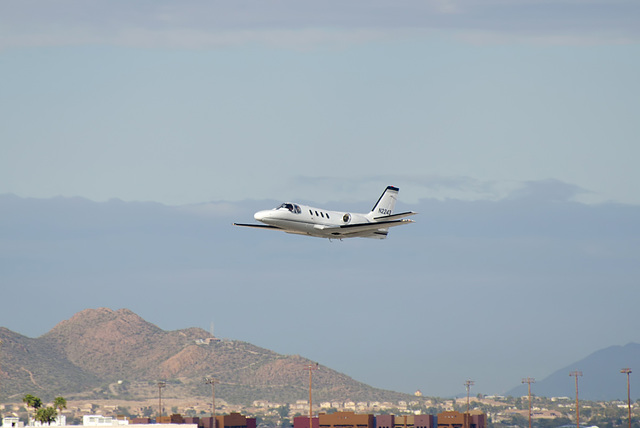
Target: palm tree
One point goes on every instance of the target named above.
(60, 403)
(31, 401)
(46, 415)
(27, 399)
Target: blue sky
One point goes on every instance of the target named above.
(196, 101)
(328, 102)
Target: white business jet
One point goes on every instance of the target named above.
(304, 220)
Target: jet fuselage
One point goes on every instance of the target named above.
(305, 220)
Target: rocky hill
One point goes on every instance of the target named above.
(101, 353)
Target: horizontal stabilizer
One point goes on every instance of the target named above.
(395, 216)
(361, 229)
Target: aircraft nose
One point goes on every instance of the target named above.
(261, 215)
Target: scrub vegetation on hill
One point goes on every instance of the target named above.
(102, 354)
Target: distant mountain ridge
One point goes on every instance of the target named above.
(102, 353)
(601, 379)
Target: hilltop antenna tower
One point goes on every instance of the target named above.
(211, 329)
(529, 381)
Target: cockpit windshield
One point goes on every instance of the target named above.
(291, 207)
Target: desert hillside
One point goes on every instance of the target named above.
(107, 354)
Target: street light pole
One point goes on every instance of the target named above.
(627, 371)
(212, 381)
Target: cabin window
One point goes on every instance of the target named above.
(327, 215)
(310, 212)
(317, 214)
(321, 214)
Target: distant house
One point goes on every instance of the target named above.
(461, 420)
(345, 420)
(207, 341)
(12, 422)
(232, 420)
(102, 421)
(303, 422)
(352, 420)
(414, 421)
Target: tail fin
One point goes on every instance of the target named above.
(386, 203)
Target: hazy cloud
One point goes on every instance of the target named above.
(200, 24)
(548, 190)
(416, 187)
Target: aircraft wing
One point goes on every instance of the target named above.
(396, 216)
(362, 229)
(258, 226)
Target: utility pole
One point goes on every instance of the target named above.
(529, 381)
(627, 371)
(0, 361)
(161, 384)
(311, 368)
(468, 385)
(212, 381)
(577, 374)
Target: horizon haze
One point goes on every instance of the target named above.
(493, 291)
